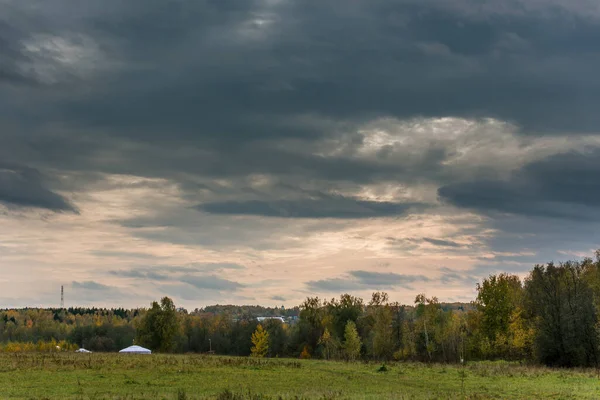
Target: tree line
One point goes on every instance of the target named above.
(550, 317)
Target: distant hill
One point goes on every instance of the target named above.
(248, 311)
(457, 306)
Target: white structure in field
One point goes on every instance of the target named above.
(82, 350)
(135, 350)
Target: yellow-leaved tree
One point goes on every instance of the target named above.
(260, 341)
(329, 344)
(352, 342)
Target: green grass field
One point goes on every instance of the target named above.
(113, 376)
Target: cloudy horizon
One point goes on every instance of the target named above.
(263, 151)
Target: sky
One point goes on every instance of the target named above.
(263, 151)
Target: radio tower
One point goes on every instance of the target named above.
(62, 297)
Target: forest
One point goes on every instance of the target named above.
(550, 317)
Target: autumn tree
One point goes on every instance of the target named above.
(329, 344)
(310, 327)
(382, 334)
(159, 327)
(347, 308)
(277, 337)
(305, 355)
(352, 342)
(521, 335)
(591, 276)
(497, 298)
(260, 342)
(562, 303)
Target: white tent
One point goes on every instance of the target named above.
(82, 350)
(135, 350)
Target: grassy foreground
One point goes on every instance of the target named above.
(114, 376)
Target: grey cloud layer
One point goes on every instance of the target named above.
(441, 243)
(368, 280)
(23, 186)
(255, 108)
(365, 280)
(199, 276)
(256, 87)
(562, 186)
(325, 207)
(261, 63)
(90, 285)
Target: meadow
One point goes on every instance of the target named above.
(157, 376)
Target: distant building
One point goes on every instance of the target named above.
(261, 319)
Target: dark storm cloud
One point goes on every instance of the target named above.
(22, 186)
(219, 74)
(226, 89)
(365, 280)
(387, 71)
(560, 186)
(325, 207)
(515, 264)
(200, 69)
(547, 238)
(226, 100)
(10, 55)
(8, 75)
(406, 59)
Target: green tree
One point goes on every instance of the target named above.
(310, 327)
(159, 327)
(451, 334)
(382, 333)
(428, 312)
(497, 297)
(329, 344)
(260, 341)
(352, 342)
(521, 335)
(278, 337)
(562, 304)
(592, 276)
(347, 308)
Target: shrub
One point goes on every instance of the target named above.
(305, 355)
